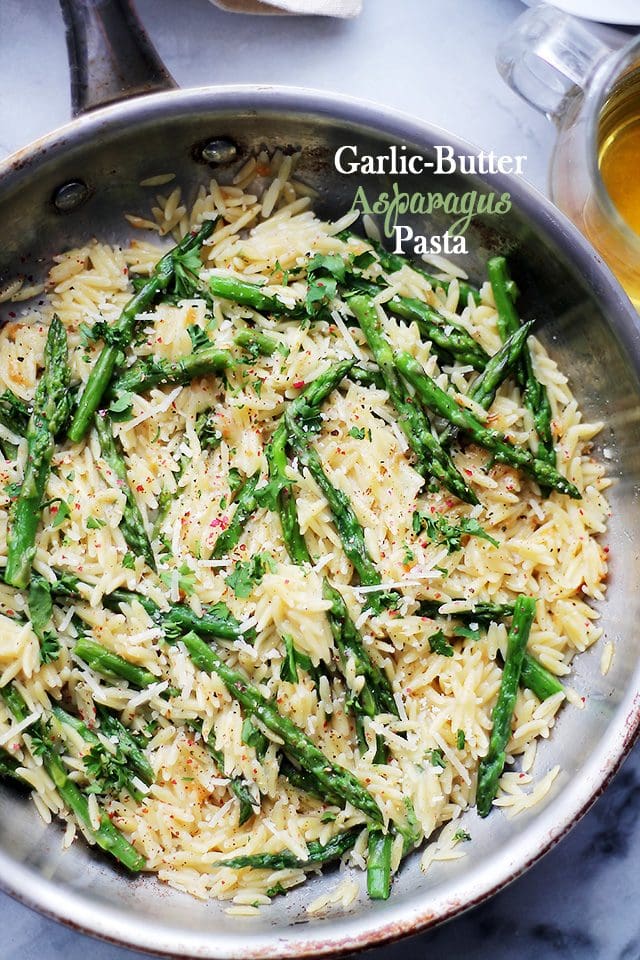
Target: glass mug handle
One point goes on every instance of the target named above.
(548, 57)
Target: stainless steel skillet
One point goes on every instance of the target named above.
(584, 317)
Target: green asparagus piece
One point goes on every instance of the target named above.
(128, 762)
(376, 695)
(76, 724)
(112, 727)
(237, 785)
(14, 415)
(121, 333)
(485, 386)
(433, 459)
(132, 524)
(49, 414)
(367, 377)
(534, 676)
(480, 610)
(319, 853)
(379, 865)
(334, 779)
(216, 620)
(444, 336)
(106, 836)
(538, 679)
(246, 504)
(112, 665)
(430, 394)
(284, 499)
(153, 371)
(348, 526)
(535, 395)
(301, 420)
(492, 765)
(247, 294)
(256, 342)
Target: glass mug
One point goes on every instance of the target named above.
(591, 92)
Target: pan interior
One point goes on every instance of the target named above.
(582, 317)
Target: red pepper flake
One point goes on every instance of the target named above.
(299, 384)
(140, 488)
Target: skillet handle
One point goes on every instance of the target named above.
(110, 56)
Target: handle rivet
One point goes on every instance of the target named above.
(219, 151)
(70, 196)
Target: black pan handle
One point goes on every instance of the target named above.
(110, 56)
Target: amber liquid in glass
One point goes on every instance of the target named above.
(619, 148)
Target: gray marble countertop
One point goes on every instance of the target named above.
(581, 900)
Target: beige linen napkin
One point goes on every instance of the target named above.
(322, 8)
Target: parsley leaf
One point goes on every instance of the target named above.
(120, 406)
(461, 835)
(61, 513)
(108, 771)
(437, 758)
(441, 531)
(49, 647)
(94, 523)
(439, 644)
(324, 273)
(207, 431)
(40, 605)
(358, 433)
(460, 739)
(249, 573)
(129, 561)
(198, 337)
(252, 737)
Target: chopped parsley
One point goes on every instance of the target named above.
(436, 758)
(129, 561)
(324, 273)
(94, 523)
(461, 835)
(439, 644)
(248, 573)
(460, 739)
(358, 433)
(441, 531)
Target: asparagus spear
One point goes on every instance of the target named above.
(432, 457)
(110, 773)
(106, 835)
(379, 865)
(49, 414)
(284, 501)
(533, 676)
(535, 394)
(444, 336)
(480, 610)
(237, 785)
(121, 333)
(492, 765)
(216, 620)
(246, 504)
(319, 853)
(485, 386)
(112, 665)
(443, 404)
(153, 371)
(132, 524)
(334, 779)
(367, 377)
(247, 294)
(256, 342)
(376, 695)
